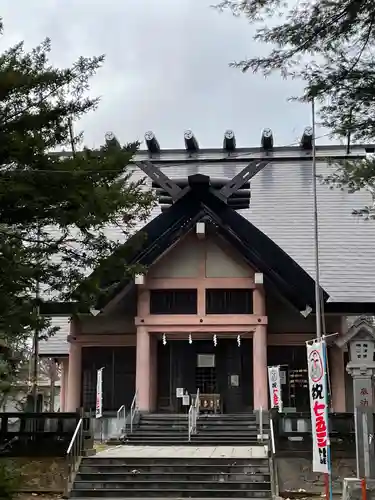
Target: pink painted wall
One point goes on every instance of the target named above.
(199, 264)
(210, 265)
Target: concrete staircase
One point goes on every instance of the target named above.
(212, 430)
(217, 478)
(232, 430)
(223, 461)
(159, 429)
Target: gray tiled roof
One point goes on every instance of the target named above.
(282, 207)
(57, 345)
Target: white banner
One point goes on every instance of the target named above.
(99, 394)
(316, 364)
(274, 383)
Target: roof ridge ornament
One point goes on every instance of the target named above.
(229, 143)
(152, 143)
(267, 140)
(191, 143)
(231, 187)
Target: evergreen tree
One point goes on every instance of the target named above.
(329, 45)
(55, 209)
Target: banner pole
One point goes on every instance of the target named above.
(318, 308)
(328, 478)
(318, 318)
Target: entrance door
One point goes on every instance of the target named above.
(234, 368)
(224, 369)
(231, 376)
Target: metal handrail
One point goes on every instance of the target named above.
(133, 410)
(121, 420)
(191, 421)
(197, 403)
(273, 445)
(273, 466)
(193, 416)
(74, 455)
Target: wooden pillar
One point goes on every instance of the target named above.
(260, 375)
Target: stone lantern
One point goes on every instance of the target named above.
(360, 339)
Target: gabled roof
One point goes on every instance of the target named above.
(265, 256)
(282, 208)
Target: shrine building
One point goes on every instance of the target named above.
(228, 283)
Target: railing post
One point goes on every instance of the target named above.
(133, 410)
(273, 464)
(121, 420)
(74, 454)
(261, 435)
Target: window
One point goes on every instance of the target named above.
(205, 374)
(173, 302)
(235, 301)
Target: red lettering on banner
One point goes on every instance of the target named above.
(320, 425)
(275, 398)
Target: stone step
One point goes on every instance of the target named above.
(163, 415)
(163, 428)
(201, 443)
(200, 432)
(184, 436)
(117, 477)
(228, 432)
(184, 432)
(241, 417)
(227, 425)
(168, 430)
(150, 418)
(163, 418)
(155, 442)
(203, 438)
(156, 437)
(176, 462)
(168, 484)
(222, 442)
(209, 418)
(161, 476)
(206, 426)
(177, 493)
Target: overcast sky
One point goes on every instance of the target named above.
(166, 69)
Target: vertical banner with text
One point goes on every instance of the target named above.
(318, 390)
(99, 394)
(274, 382)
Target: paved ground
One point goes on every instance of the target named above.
(128, 451)
(37, 496)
